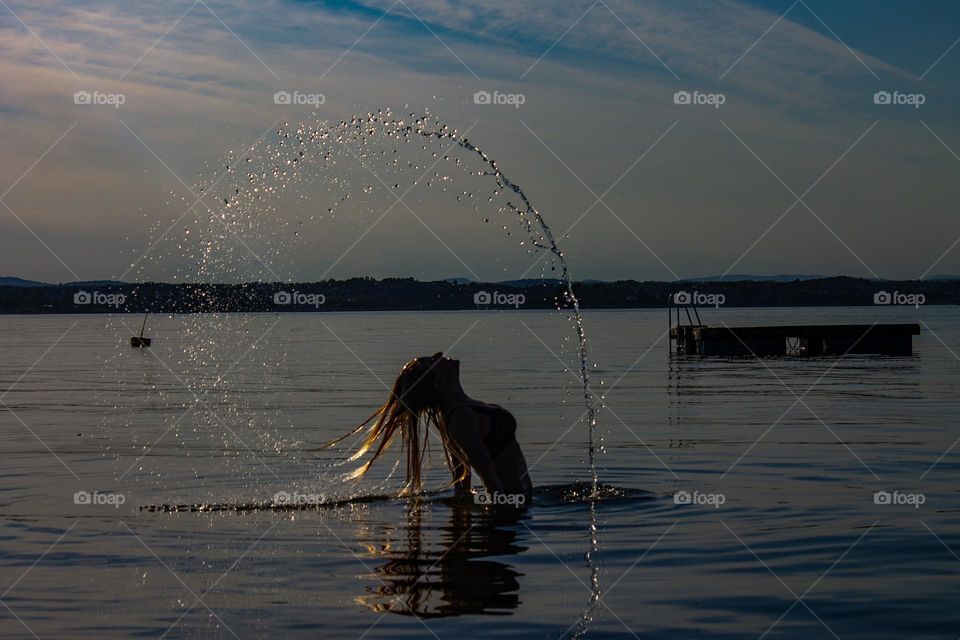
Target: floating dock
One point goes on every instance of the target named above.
(795, 340)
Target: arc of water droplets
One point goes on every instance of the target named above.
(445, 133)
(360, 129)
(528, 209)
(423, 126)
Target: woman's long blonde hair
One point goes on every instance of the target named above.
(412, 401)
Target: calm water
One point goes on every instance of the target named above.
(788, 542)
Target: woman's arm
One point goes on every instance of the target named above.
(463, 428)
(460, 468)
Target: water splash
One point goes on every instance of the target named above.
(525, 213)
(259, 217)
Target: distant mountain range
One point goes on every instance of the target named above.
(407, 294)
(746, 277)
(524, 283)
(13, 281)
(736, 277)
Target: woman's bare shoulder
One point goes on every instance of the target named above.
(467, 417)
(480, 405)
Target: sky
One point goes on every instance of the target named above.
(659, 140)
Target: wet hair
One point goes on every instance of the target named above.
(413, 401)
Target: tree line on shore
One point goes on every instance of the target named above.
(369, 294)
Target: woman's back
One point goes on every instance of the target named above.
(497, 428)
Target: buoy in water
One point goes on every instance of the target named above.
(139, 342)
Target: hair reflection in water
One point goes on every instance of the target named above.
(435, 572)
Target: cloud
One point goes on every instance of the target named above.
(598, 99)
(699, 41)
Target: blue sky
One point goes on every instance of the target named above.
(687, 190)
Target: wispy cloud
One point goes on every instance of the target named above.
(195, 88)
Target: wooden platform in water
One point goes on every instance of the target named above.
(796, 340)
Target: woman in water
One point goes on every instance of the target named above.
(475, 435)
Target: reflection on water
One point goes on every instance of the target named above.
(703, 375)
(455, 575)
(697, 385)
(799, 481)
(458, 566)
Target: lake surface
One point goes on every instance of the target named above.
(782, 460)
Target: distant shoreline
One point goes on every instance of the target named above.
(408, 294)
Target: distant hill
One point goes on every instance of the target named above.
(515, 284)
(407, 294)
(96, 283)
(530, 282)
(12, 281)
(745, 277)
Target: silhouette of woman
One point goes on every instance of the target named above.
(475, 435)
